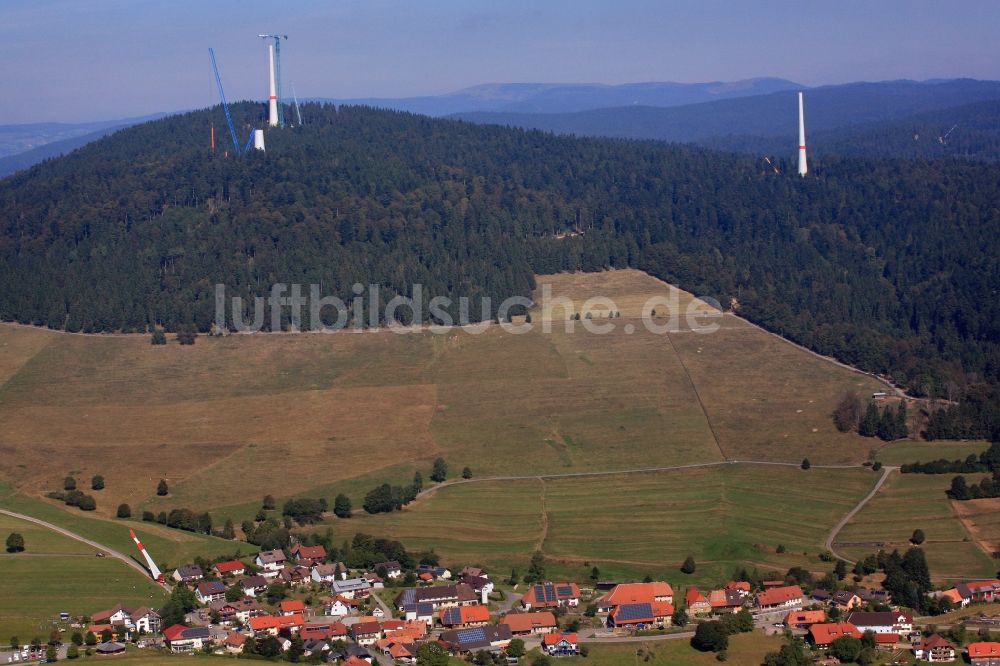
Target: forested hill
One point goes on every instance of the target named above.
(892, 265)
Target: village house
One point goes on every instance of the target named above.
(188, 573)
(878, 596)
(786, 597)
(475, 572)
(846, 600)
(179, 638)
(822, 634)
(308, 555)
(391, 568)
(441, 573)
(984, 653)
(209, 591)
(327, 573)
(351, 588)
(422, 612)
(401, 651)
(331, 631)
(271, 625)
(340, 606)
(234, 642)
(237, 612)
(696, 602)
(439, 597)
(633, 593)
(374, 580)
(366, 633)
(481, 585)
(956, 598)
(551, 595)
(526, 624)
(642, 615)
(292, 607)
(271, 561)
(491, 638)
(294, 576)
(934, 649)
(560, 644)
(804, 619)
(882, 623)
(141, 620)
(253, 585)
(229, 568)
(461, 617)
(726, 601)
(978, 591)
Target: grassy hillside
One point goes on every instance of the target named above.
(57, 574)
(231, 419)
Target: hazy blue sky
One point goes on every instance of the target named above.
(95, 59)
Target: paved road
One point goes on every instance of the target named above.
(93, 544)
(839, 526)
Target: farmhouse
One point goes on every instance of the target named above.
(323, 631)
(491, 638)
(882, 623)
(210, 591)
(526, 624)
(185, 639)
(439, 597)
(696, 602)
(366, 633)
(460, 617)
(422, 612)
(980, 590)
(656, 613)
(229, 568)
(934, 648)
(786, 597)
(551, 595)
(984, 653)
(821, 635)
(188, 573)
(481, 585)
(635, 593)
(560, 644)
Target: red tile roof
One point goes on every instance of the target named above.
(262, 622)
(637, 593)
(887, 639)
(528, 621)
(798, 618)
(694, 596)
(309, 552)
(984, 649)
(366, 628)
(553, 639)
(824, 634)
(738, 585)
(468, 614)
(172, 632)
(778, 595)
(229, 566)
(292, 606)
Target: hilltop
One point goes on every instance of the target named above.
(135, 230)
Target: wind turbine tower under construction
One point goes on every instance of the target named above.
(802, 139)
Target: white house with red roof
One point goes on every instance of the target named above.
(560, 644)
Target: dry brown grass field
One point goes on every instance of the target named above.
(230, 419)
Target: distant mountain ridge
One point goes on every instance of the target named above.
(771, 115)
(570, 97)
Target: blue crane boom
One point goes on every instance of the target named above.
(225, 104)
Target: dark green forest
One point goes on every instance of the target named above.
(891, 265)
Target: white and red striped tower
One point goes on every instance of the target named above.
(153, 569)
(272, 99)
(802, 139)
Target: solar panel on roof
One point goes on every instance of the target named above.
(565, 591)
(408, 596)
(629, 612)
(452, 616)
(550, 593)
(471, 635)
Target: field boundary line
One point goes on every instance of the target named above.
(118, 555)
(853, 512)
(697, 395)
